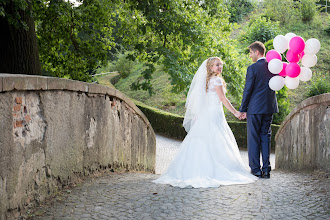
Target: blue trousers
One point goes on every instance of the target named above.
(258, 140)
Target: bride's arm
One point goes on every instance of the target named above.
(225, 101)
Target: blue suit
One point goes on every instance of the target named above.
(259, 102)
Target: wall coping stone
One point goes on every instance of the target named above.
(21, 82)
(311, 101)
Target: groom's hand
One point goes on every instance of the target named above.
(243, 115)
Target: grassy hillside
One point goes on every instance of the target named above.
(162, 99)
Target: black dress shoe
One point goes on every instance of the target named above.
(258, 174)
(265, 175)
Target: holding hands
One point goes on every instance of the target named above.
(240, 115)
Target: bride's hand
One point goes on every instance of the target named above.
(238, 115)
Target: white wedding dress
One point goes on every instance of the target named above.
(209, 155)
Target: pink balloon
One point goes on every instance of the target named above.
(292, 57)
(292, 70)
(297, 44)
(301, 55)
(273, 54)
(283, 73)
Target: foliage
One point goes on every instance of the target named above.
(73, 41)
(163, 98)
(269, 45)
(76, 40)
(280, 10)
(125, 66)
(318, 86)
(238, 9)
(15, 19)
(179, 35)
(260, 29)
(307, 9)
(283, 105)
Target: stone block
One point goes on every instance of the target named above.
(99, 89)
(23, 82)
(66, 84)
(121, 96)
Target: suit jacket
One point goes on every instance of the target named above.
(258, 98)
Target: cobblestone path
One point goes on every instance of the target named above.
(133, 196)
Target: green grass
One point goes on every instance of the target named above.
(163, 98)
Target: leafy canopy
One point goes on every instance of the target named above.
(75, 41)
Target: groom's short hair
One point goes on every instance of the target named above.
(259, 46)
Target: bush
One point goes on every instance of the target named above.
(170, 125)
(269, 45)
(123, 65)
(319, 86)
(262, 30)
(283, 105)
(280, 10)
(163, 122)
(307, 9)
(239, 8)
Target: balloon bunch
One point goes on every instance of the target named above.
(289, 73)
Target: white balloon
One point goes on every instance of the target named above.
(276, 83)
(288, 36)
(312, 46)
(275, 66)
(291, 83)
(280, 43)
(309, 60)
(305, 74)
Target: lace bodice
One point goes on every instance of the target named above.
(214, 81)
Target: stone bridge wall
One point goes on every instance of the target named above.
(54, 131)
(303, 140)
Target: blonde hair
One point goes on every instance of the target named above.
(210, 73)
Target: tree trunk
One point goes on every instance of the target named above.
(19, 52)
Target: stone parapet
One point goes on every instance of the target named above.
(303, 140)
(54, 131)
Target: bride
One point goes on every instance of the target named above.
(209, 155)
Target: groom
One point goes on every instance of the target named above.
(258, 105)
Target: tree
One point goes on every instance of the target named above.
(18, 46)
(180, 35)
(75, 41)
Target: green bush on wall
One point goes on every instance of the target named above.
(170, 125)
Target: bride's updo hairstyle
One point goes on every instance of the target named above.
(210, 73)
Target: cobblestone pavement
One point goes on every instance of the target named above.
(134, 196)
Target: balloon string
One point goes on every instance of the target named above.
(285, 58)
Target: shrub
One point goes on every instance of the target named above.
(239, 8)
(269, 45)
(319, 86)
(262, 30)
(280, 10)
(123, 65)
(283, 105)
(307, 9)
